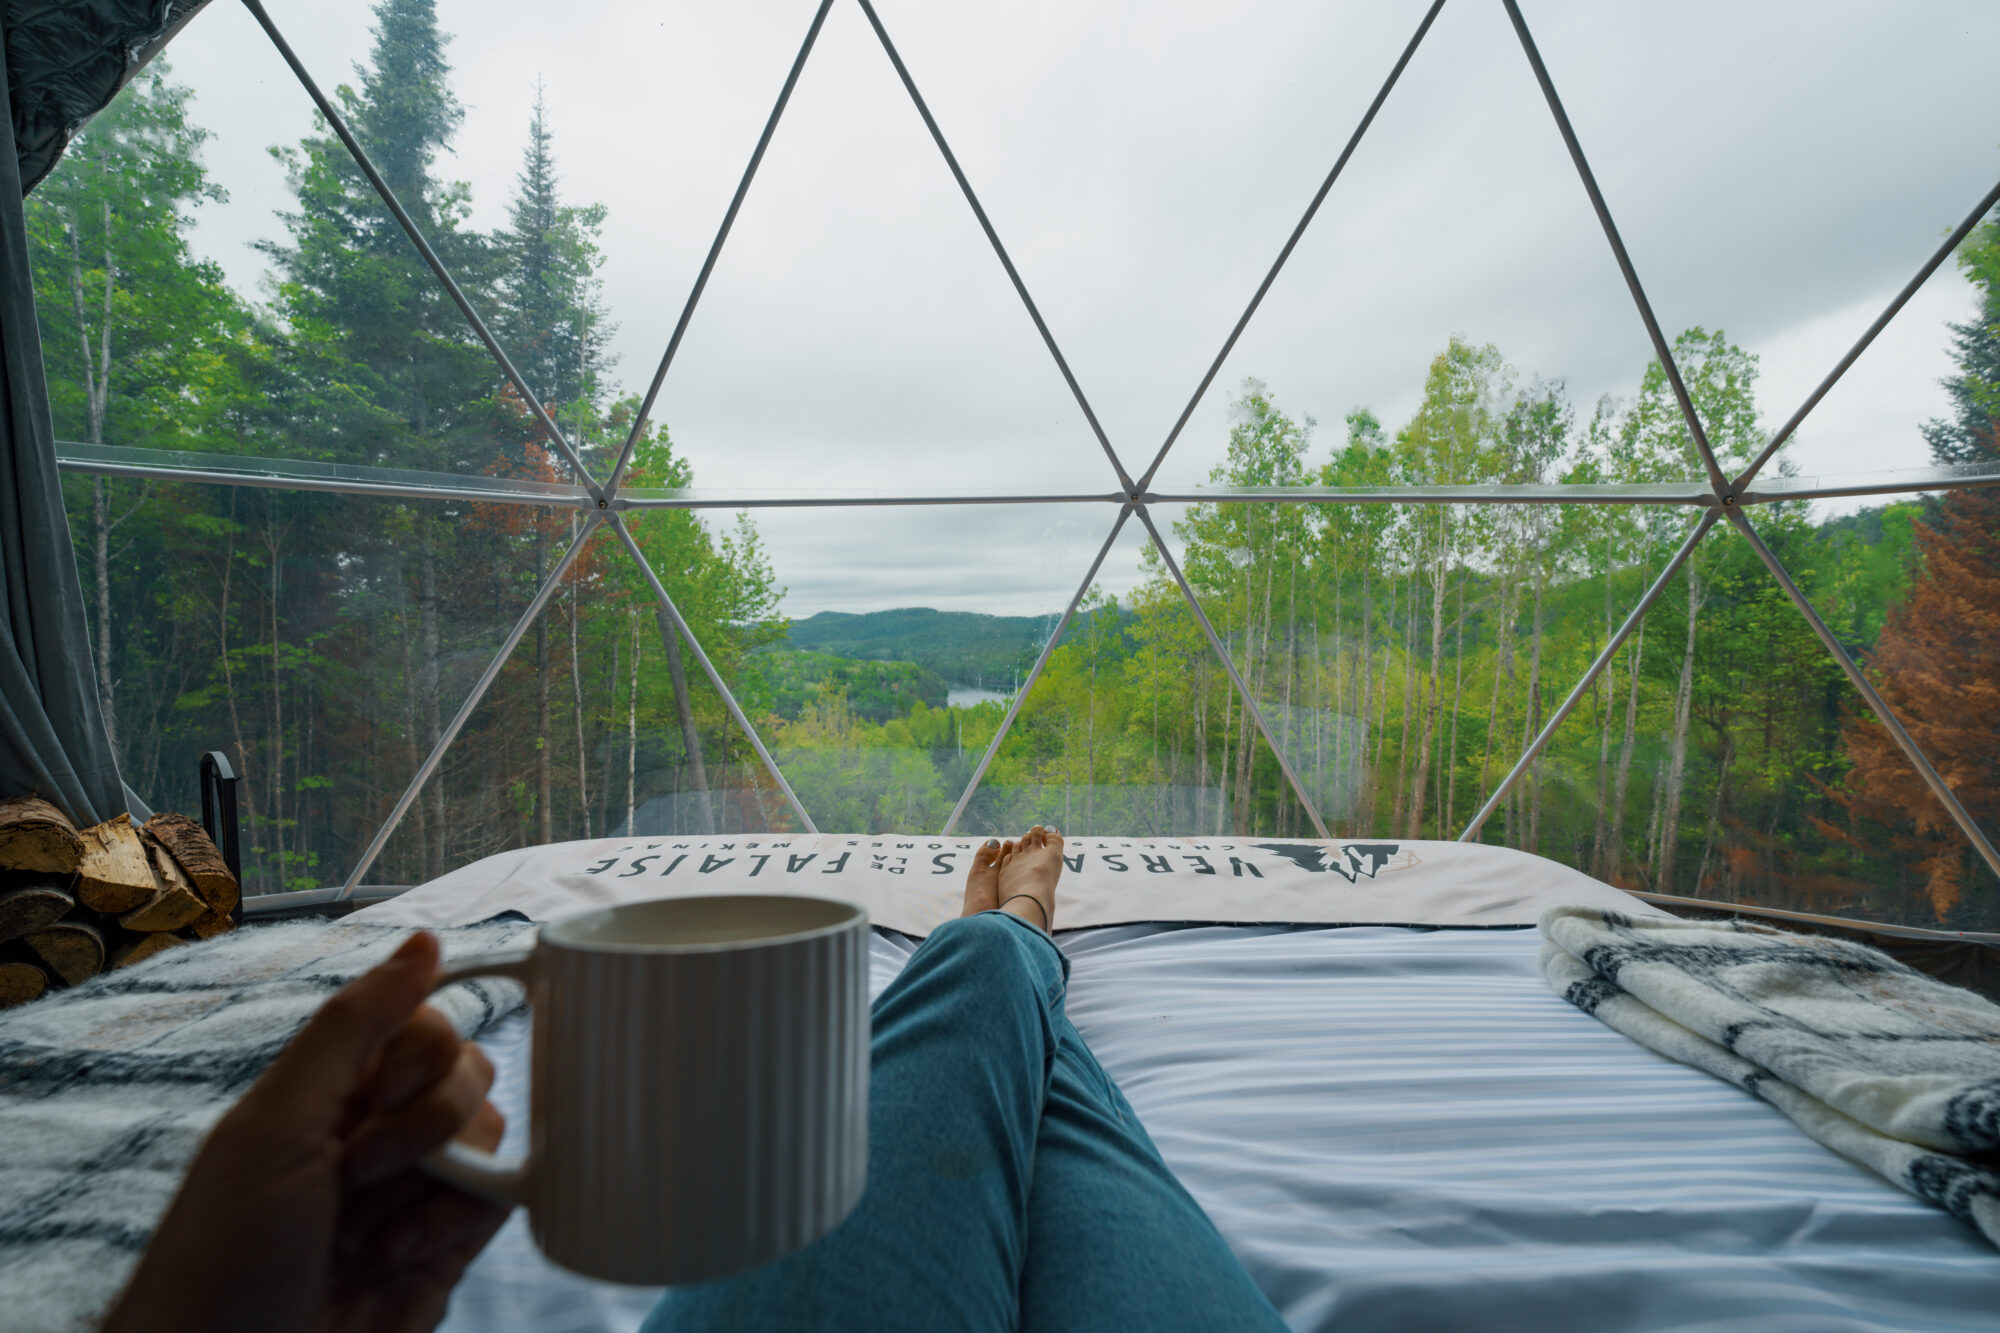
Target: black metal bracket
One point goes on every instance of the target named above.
(218, 816)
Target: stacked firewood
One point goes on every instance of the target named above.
(73, 903)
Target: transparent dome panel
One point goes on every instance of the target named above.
(1723, 754)
(321, 641)
(1909, 588)
(1404, 655)
(858, 327)
(899, 637)
(1132, 728)
(487, 124)
(1145, 169)
(1457, 254)
(604, 725)
(1902, 405)
(1780, 170)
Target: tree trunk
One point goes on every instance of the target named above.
(1723, 760)
(1615, 857)
(1364, 775)
(1433, 706)
(1607, 692)
(1532, 719)
(545, 815)
(576, 691)
(96, 365)
(1503, 629)
(1670, 817)
(1409, 690)
(275, 784)
(428, 687)
(632, 737)
(690, 735)
(1225, 759)
(248, 788)
(1457, 704)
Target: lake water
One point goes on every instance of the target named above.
(964, 696)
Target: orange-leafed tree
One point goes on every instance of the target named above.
(1937, 664)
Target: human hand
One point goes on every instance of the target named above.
(305, 1210)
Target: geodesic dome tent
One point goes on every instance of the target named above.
(387, 536)
(1306, 655)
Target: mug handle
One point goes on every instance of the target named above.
(460, 1164)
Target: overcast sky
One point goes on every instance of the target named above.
(1778, 170)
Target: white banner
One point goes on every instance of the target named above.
(914, 884)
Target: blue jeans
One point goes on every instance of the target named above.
(1010, 1184)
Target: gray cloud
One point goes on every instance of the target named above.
(1777, 169)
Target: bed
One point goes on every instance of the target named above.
(1402, 1127)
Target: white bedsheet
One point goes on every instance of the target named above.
(1406, 1130)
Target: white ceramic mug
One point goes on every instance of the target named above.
(699, 1095)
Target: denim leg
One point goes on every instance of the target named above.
(963, 1050)
(1115, 1242)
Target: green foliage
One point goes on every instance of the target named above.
(875, 691)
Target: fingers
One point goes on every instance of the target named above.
(437, 1225)
(315, 1076)
(418, 1056)
(371, 1217)
(396, 1138)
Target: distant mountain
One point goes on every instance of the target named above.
(964, 647)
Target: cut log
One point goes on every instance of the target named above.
(168, 870)
(189, 844)
(170, 909)
(34, 835)
(20, 983)
(29, 907)
(115, 875)
(73, 950)
(138, 948)
(207, 927)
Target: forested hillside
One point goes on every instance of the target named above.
(964, 647)
(1404, 654)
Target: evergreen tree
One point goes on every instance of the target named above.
(391, 374)
(399, 376)
(1934, 664)
(552, 318)
(1968, 435)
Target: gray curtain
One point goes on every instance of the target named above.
(52, 739)
(67, 58)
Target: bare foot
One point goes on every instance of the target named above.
(1028, 873)
(982, 882)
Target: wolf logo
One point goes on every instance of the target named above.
(1360, 858)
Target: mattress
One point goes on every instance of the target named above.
(1405, 1129)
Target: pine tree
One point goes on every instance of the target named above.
(553, 323)
(552, 319)
(1975, 390)
(399, 371)
(1934, 664)
(392, 373)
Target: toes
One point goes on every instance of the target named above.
(988, 856)
(1052, 838)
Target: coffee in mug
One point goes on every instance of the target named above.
(699, 1090)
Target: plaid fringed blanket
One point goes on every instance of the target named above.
(1880, 1063)
(107, 1090)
